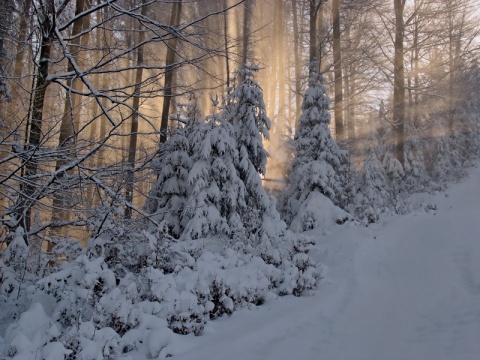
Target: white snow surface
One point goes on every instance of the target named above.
(406, 288)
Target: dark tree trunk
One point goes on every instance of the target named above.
(71, 116)
(169, 64)
(399, 82)
(23, 208)
(337, 67)
(132, 146)
(298, 64)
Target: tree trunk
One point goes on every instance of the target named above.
(132, 147)
(272, 88)
(169, 64)
(23, 208)
(281, 64)
(247, 12)
(337, 66)
(416, 82)
(399, 82)
(19, 57)
(298, 64)
(225, 40)
(14, 110)
(71, 116)
(313, 10)
(321, 33)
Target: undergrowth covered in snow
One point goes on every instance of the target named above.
(112, 300)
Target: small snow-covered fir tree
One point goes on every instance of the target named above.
(372, 195)
(251, 122)
(319, 164)
(396, 181)
(217, 194)
(416, 177)
(167, 200)
(247, 113)
(449, 162)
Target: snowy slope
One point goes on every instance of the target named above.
(407, 288)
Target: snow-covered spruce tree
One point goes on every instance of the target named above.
(167, 200)
(246, 111)
(449, 162)
(396, 181)
(217, 195)
(319, 166)
(250, 119)
(416, 176)
(372, 197)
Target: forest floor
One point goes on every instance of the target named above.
(406, 288)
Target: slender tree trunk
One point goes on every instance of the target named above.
(347, 89)
(416, 82)
(132, 148)
(103, 41)
(14, 110)
(298, 68)
(399, 82)
(23, 208)
(350, 76)
(453, 52)
(20, 56)
(321, 34)
(313, 10)
(281, 64)
(71, 117)
(337, 66)
(351, 122)
(247, 13)
(225, 40)
(272, 88)
(169, 64)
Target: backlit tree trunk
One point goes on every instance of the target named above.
(132, 147)
(169, 65)
(71, 114)
(399, 82)
(337, 65)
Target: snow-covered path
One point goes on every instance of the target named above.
(407, 288)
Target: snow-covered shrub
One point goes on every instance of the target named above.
(299, 272)
(77, 289)
(114, 310)
(67, 250)
(318, 211)
(13, 267)
(416, 176)
(448, 164)
(16, 253)
(396, 181)
(319, 164)
(18, 272)
(372, 195)
(188, 316)
(89, 310)
(33, 330)
(294, 270)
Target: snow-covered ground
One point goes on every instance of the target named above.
(407, 288)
